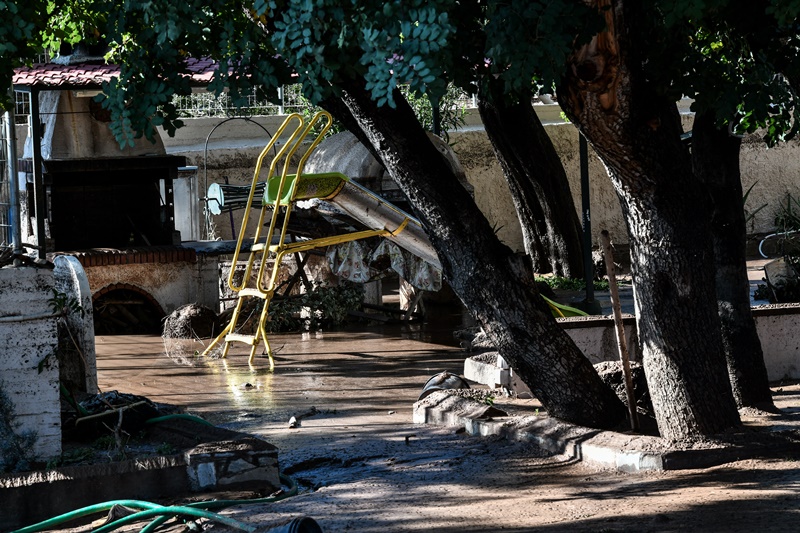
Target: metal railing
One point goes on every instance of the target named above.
(290, 100)
(204, 104)
(5, 188)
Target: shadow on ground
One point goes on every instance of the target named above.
(363, 466)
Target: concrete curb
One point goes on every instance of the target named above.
(607, 449)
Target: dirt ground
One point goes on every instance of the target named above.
(363, 466)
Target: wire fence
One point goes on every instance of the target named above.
(203, 104)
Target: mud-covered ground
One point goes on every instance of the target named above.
(363, 466)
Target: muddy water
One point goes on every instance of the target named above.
(369, 376)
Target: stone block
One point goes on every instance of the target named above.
(27, 335)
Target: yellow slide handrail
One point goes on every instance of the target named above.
(245, 217)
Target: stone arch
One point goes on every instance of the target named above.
(122, 308)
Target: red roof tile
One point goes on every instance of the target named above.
(89, 75)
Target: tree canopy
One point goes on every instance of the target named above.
(741, 59)
(735, 59)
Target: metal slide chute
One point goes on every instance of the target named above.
(363, 206)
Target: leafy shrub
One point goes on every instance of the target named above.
(326, 307)
(788, 216)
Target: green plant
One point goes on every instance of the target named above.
(785, 288)
(788, 216)
(451, 112)
(284, 315)
(785, 291)
(496, 229)
(71, 457)
(325, 306)
(749, 216)
(309, 110)
(330, 305)
(44, 362)
(63, 304)
(787, 223)
(104, 442)
(762, 292)
(165, 448)
(16, 448)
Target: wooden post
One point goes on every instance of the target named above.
(622, 345)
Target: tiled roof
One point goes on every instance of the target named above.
(92, 75)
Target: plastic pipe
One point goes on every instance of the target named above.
(25, 318)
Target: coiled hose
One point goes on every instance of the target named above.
(221, 504)
(163, 513)
(85, 511)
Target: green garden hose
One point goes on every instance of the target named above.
(221, 504)
(176, 510)
(163, 513)
(85, 511)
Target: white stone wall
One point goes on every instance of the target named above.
(776, 326)
(780, 342)
(494, 199)
(773, 173)
(24, 341)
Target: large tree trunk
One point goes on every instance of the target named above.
(537, 181)
(715, 157)
(637, 134)
(492, 282)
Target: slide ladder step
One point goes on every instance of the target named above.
(257, 293)
(252, 340)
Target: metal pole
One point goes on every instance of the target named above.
(38, 178)
(619, 326)
(281, 96)
(13, 183)
(588, 266)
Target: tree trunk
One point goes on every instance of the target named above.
(637, 134)
(492, 282)
(537, 181)
(715, 157)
